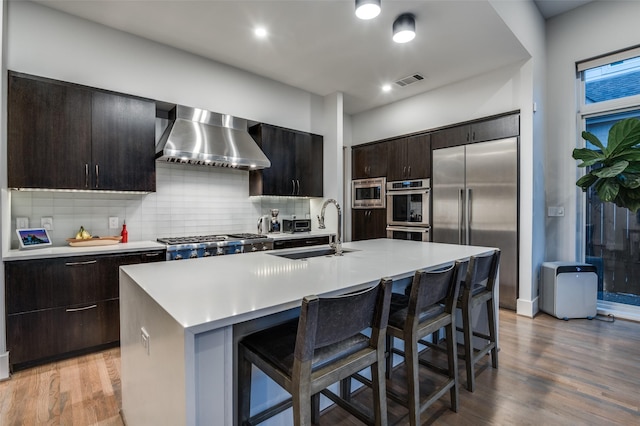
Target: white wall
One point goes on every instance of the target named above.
(507, 89)
(595, 29)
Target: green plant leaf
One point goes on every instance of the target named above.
(629, 154)
(612, 171)
(622, 135)
(607, 189)
(586, 181)
(629, 180)
(594, 140)
(588, 156)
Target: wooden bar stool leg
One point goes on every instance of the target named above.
(452, 358)
(411, 361)
(468, 347)
(492, 331)
(379, 392)
(389, 356)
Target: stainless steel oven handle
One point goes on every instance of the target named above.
(392, 192)
(422, 230)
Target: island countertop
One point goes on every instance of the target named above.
(209, 293)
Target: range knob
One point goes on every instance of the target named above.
(239, 250)
(193, 255)
(207, 254)
(254, 248)
(219, 251)
(177, 257)
(264, 247)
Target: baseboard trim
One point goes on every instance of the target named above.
(527, 308)
(4, 366)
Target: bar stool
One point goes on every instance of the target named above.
(479, 287)
(322, 347)
(429, 307)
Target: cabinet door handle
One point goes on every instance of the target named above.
(97, 176)
(404, 171)
(298, 191)
(409, 174)
(85, 308)
(152, 254)
(88, 262)
(86, 175)
(293, 187)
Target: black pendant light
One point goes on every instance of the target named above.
(404, 28)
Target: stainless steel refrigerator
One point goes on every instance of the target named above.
(475, 202)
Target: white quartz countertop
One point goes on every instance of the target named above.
(208, 293)
(64, 251)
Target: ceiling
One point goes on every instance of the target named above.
(320, 46)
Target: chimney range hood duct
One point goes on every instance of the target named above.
(196, 136)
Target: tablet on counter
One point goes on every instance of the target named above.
(33, 238)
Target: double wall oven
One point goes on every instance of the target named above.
(408, 209)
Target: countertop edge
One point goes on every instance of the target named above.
(68, 251)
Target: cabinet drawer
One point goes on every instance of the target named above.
(53, 333)
(300, 242)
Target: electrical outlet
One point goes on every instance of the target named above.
(113, 222)
(144, 339)
(22, 222)
(555, 211)
(47, 223)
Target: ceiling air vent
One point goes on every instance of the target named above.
(409, 80)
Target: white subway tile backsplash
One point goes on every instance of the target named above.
(190, 200)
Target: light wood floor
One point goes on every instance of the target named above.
(552, 372)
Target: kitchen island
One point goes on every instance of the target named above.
(180, 320)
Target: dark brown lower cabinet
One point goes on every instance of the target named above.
(61, 307)
(368, 224)
(299, 242)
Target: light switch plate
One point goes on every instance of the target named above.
(113, 222)
(47, 223)
(22, 222)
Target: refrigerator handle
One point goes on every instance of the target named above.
(467, 228)
(460, 216)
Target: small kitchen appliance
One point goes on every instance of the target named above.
(296, 225)
(275, 223)
(179, 248)
(264, 225)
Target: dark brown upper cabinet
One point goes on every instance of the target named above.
(296, 162)
(369, 161)
(67, 136)
(486, 130)
(409, 158)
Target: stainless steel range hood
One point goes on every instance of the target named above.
(196, 136)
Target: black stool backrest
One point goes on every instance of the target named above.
(432, 287)
(482, 270)
(325, 321)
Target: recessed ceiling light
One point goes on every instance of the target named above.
(386, 88)
(260, 32)
(367, 9)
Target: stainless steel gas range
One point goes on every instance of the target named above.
(179, 248)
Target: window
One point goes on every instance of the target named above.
(610, 91)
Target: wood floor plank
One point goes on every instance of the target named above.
(552, 372)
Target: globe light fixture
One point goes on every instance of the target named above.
(367, 9)
(404, 28)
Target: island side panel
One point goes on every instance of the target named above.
(153, 381)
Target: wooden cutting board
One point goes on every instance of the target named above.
(102, 241)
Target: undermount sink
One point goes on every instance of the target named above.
(307, 253)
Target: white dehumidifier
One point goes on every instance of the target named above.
(569, 290)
